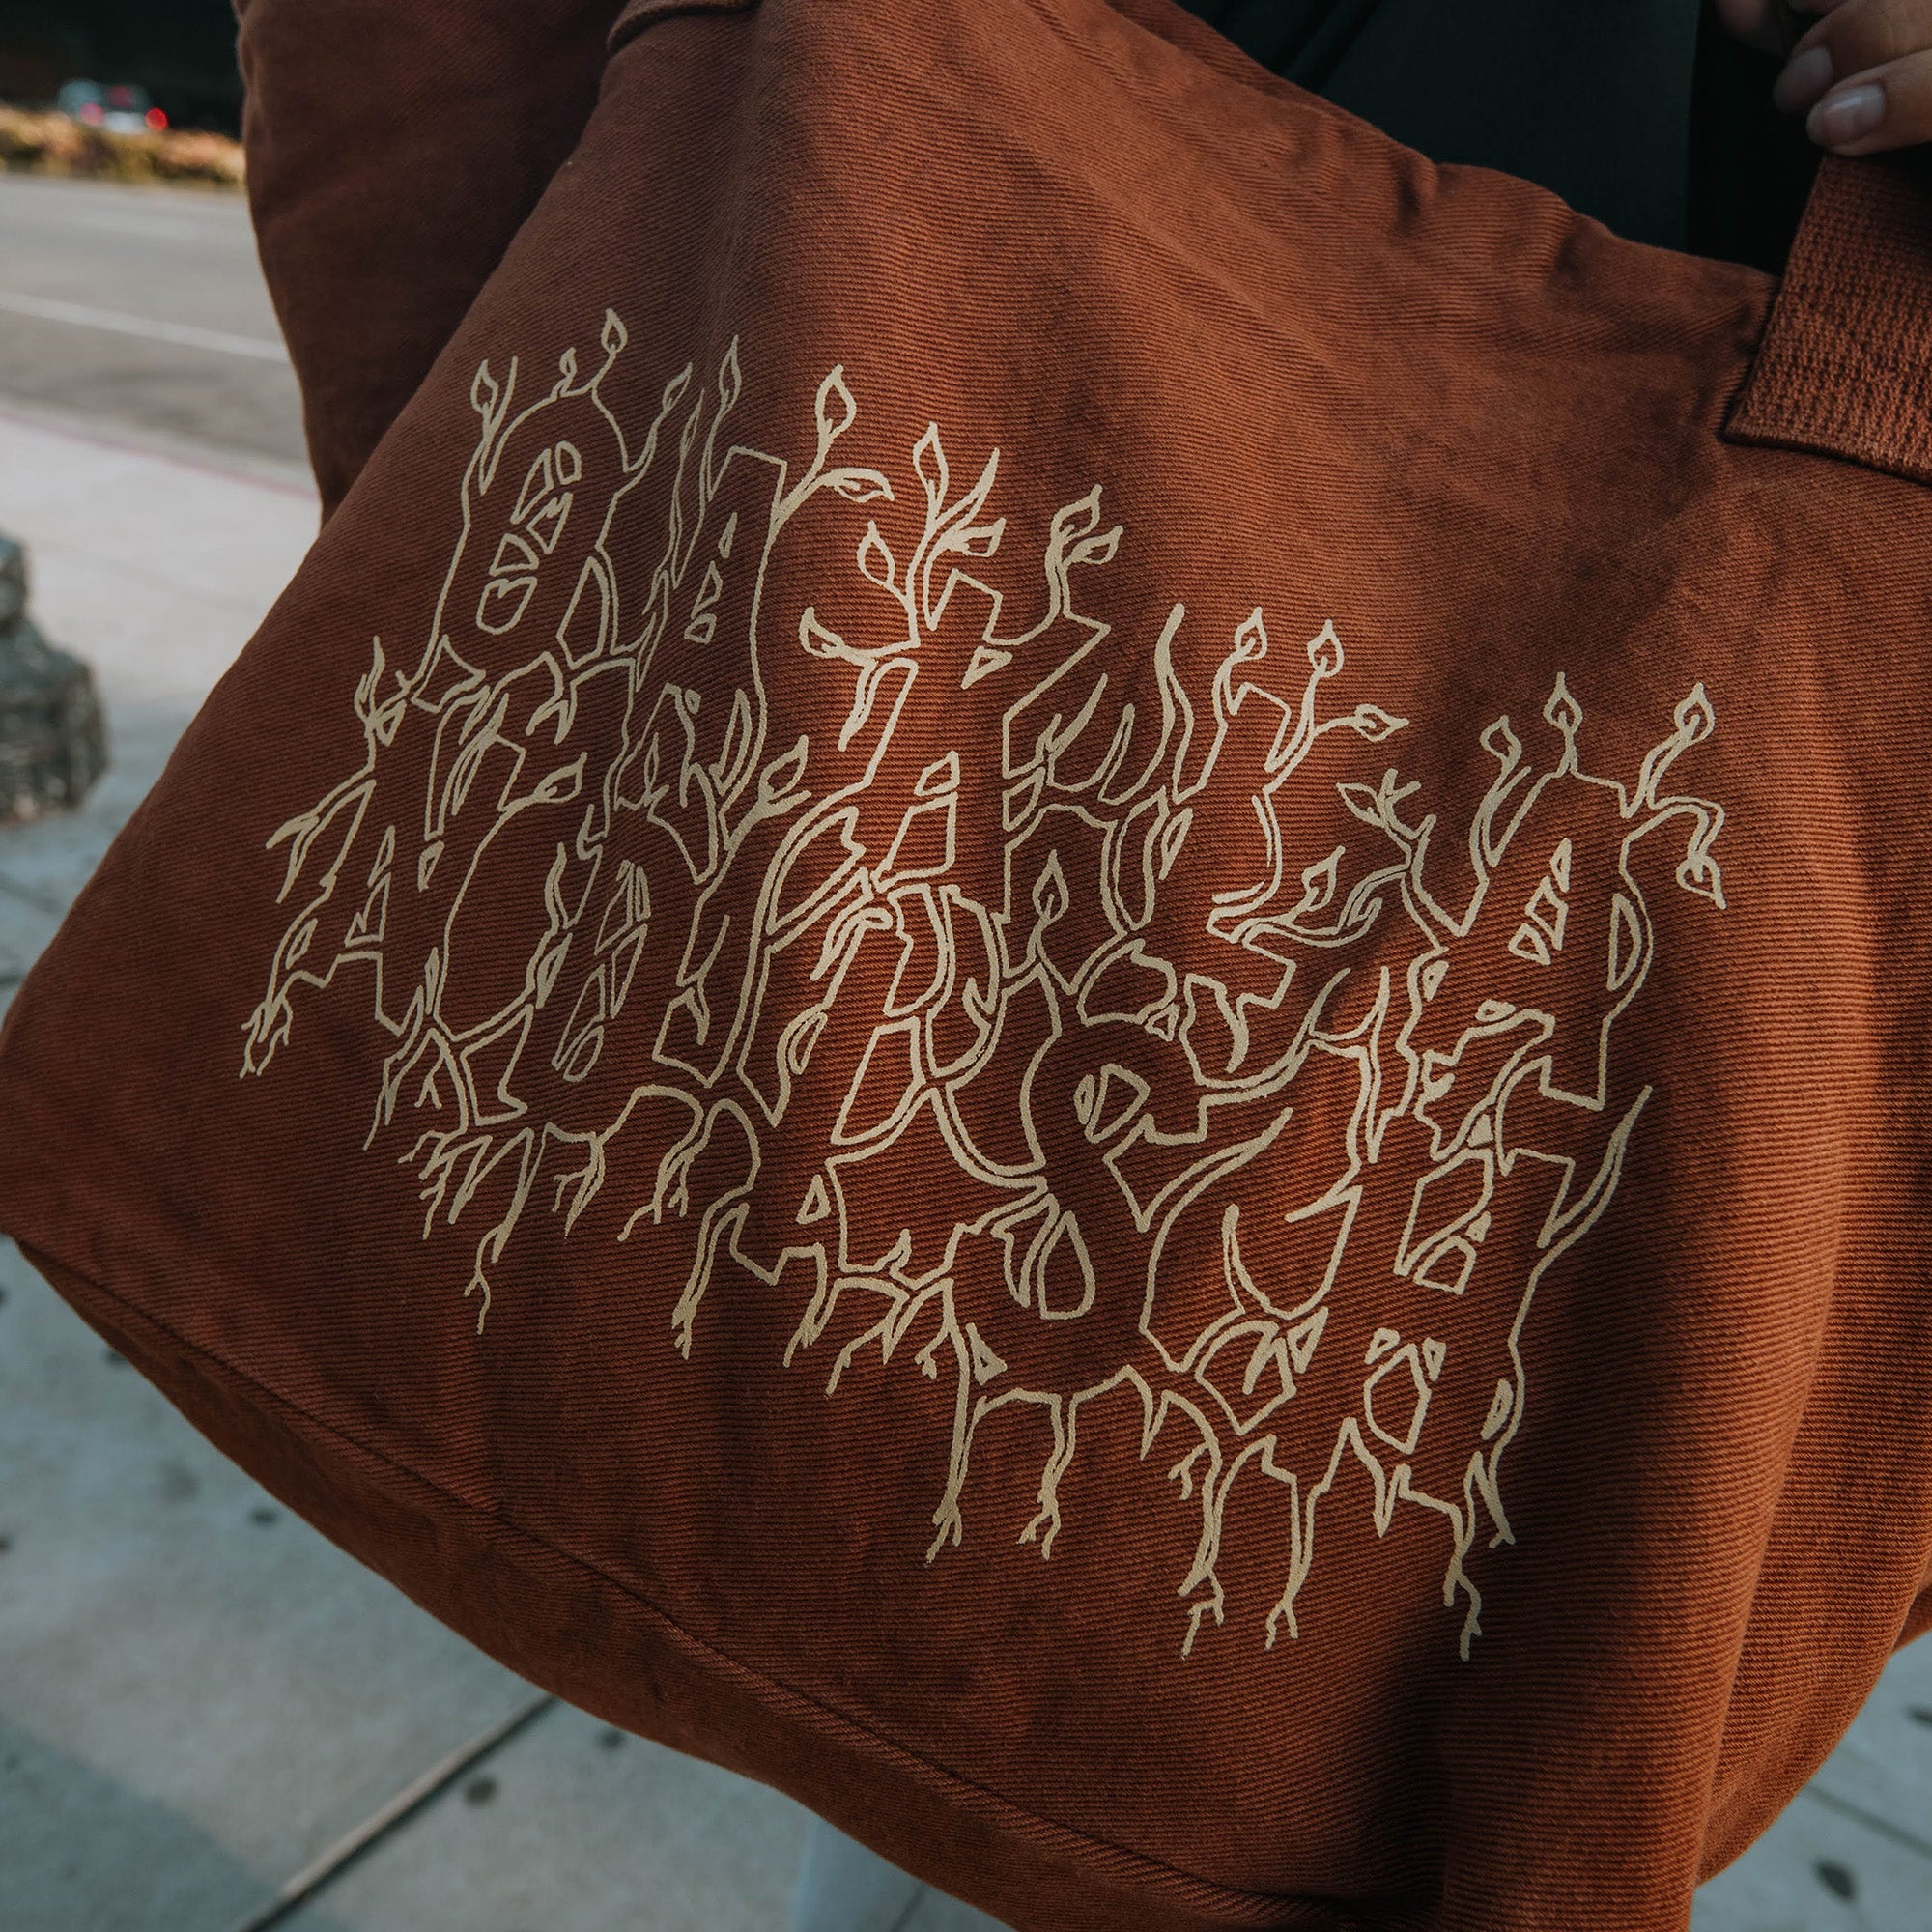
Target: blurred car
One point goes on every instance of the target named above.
(119, 109)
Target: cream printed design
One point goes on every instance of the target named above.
(1078, 1012)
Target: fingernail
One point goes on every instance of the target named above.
(1805, 78)
(1849, 116)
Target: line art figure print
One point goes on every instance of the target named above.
(1083, 1014)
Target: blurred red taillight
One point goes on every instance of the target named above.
(93, 114)
(156, 120)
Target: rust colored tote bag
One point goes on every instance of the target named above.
(1067, 972)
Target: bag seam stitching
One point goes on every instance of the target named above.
(758, 1677)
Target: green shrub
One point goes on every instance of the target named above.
(51, 144)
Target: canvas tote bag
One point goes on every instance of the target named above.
(1066, 973)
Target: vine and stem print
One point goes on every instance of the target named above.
(1081, 1014)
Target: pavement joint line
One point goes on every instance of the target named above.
(387, 1817)
(150, 328)
(907, 1909)
(152, 580)
(284, 477)
(1870, 1820)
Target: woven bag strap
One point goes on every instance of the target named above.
(1845, 364)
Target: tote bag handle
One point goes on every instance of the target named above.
(1845, 364)
(1844, 367)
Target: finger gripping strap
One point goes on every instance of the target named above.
(1845, 365)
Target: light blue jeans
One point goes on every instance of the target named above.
(843, 1887)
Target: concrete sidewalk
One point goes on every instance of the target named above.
(199, 1697)
(198, 1694)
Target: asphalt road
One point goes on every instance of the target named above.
(142, 308)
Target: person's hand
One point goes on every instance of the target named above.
(1860, 73)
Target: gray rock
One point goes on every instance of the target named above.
(53, 740)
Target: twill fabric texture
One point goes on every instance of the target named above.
(1063, 971)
